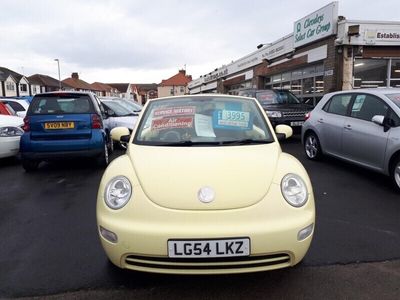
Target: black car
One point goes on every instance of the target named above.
(281, 106)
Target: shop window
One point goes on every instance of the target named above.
(370, 73)
(319, 84)
(286, 85)
(308, 85)
(296, 87)
(395, 73)
(309, 71)
(286, 76)
(276, 78)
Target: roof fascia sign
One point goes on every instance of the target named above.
(317, 25)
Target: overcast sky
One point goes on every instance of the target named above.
(147, 41)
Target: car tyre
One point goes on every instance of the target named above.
(103, 159)
(395, 173)
(30, 165)
(312, 147)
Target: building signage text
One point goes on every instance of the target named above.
(315, 26)
(216, 75)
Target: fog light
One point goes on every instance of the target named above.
(108, 235)
(305, 232)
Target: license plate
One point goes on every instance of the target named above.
(59, 125)
(209, 248)
(297, 123)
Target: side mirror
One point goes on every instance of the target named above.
(283, 132)
(378, 119)
(110, 113)
(383, 121)
(120, 134)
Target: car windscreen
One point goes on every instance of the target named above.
(395, 98)
(133, 107)
(118, 109)
(268, 97)
(60, 104)
(208, 121)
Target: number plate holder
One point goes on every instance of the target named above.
(59, 125)
(297, 123)
(209, 248)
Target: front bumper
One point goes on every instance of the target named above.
(143, 231)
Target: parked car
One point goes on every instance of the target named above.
(20, 106)
(10, 134)
(360, 126)
(59, 125)
(204, 188)
(6, 109)
(133, 106)
(119, 115)
(282, 106)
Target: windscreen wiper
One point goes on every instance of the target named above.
(189, 143)
(246, 142)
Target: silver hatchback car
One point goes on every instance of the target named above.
(360, 126)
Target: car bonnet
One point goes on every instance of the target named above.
(179, 177)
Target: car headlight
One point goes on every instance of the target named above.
(118, 192)
(10, 131)
(274, 114)
(294, 190)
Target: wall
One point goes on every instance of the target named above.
(10, 93)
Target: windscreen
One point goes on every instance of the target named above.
(202, 121)
(268, 97)
(60, 104)
(119, 110)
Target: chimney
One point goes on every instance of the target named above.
(75, 75)
(182, 72)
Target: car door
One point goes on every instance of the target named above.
(364, 142)
(330, 122)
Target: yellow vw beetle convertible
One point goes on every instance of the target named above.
(204, 188)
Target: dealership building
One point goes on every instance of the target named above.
(325, 53)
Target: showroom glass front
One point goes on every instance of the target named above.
(306, 83)
(371, 73)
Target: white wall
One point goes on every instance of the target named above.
(13, 91)
(35, 89)
(26, 92)
(165, 91)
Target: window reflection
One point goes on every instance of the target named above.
(370, 73)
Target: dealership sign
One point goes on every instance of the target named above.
(315, 26)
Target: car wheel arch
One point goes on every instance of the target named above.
(395, 156)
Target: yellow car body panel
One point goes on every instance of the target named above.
(144, 228)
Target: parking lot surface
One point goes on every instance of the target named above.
(50, 243)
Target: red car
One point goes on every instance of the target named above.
(6, 109)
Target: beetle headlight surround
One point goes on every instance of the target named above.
(117, 193)
(294, 190)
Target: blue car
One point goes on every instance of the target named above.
(62, 125)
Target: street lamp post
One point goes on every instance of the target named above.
(59, 77)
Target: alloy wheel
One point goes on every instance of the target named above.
(311, 146)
